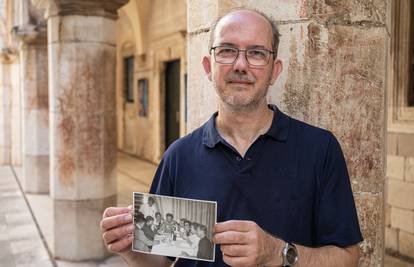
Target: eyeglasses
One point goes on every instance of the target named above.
(229, 55)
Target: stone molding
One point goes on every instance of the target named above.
(7, 55)
(101, 8)
(31, 34)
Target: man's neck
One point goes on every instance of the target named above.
(242, 127)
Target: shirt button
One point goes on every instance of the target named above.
(238, 158)
(247, 158)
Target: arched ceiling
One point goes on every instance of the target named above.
(138, 12)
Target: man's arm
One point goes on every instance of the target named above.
(117, 233)
(244, 243)
(328, 256)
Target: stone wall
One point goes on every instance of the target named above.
(334, 55)
(399, 222)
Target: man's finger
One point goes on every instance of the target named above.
(121, 244)
(234, 225)
(118, 233)
(235, 261)
(230, 237)
(112, 211)
(235, 250)
(115, 221)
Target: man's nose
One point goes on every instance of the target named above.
(241, 63)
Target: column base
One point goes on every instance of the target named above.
(77, 235)
(36, 174)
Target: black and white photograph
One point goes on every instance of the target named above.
(176, 227)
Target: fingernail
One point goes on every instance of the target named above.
(128, 217)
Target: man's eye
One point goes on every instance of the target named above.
(226, 51)
(257, 53)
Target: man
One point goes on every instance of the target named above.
(169, 226)
(147, 228)
(187, 229)
(282, 187)
(205, 247)
(142, 243)
(150, 208)
(158, 222)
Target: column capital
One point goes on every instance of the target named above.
(7, 55)
(30, 34)
(104, 8)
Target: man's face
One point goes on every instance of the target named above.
(240, 85)
(169, 218)
(200, 232)
(158, 217)
(187, 226)
(150, 222)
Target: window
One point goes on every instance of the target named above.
(143, 97)
(411, 83)
(401, 74)
(129, 78)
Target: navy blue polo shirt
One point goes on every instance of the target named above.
(293, 182)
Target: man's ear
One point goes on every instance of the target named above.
(207, 66)
(277, 69)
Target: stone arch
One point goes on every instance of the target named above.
(137, 12)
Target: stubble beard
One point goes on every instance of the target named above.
(231, 99)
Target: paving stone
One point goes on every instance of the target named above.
(76, 264)
(6, 256)
(18, 218)
(38, 263)
(23, 231)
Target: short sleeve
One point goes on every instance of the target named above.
(162, 184)
(337, 221)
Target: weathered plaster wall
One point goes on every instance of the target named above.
(163, 32)
(334, 55)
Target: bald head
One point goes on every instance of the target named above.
(238, 17)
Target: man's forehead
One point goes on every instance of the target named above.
(243, 21)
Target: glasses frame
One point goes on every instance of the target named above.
(272, 54)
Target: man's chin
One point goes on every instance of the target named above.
(240, 104)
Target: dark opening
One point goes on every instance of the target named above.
(129, 79)
(411, 76)
(172, 102)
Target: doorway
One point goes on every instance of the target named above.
(172, 102)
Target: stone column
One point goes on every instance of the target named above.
(334, 55)
(82, 58)
(35, 108)
(5, 107)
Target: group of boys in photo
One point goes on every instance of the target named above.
(149, 222)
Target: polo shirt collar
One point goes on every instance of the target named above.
(211, 136)
(279, 130)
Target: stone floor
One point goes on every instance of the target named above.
(21, 242)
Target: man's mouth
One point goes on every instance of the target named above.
(240, 82)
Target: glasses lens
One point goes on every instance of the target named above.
(225, 55)
(257, 57)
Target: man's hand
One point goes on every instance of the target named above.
(117, 229)
(244, 243)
